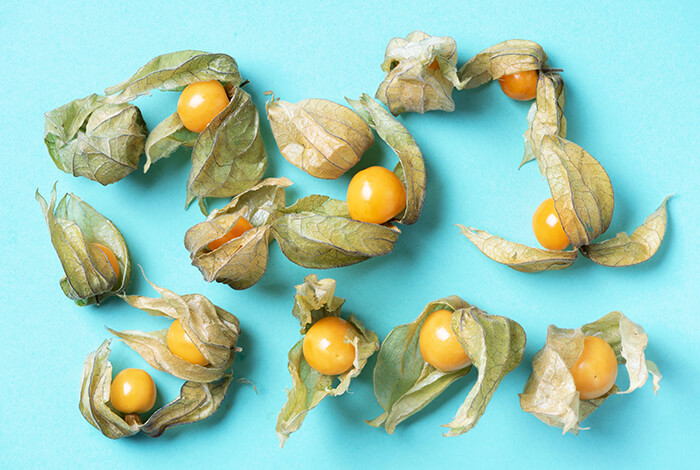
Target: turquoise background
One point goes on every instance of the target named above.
(631, 71)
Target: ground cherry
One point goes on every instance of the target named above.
(547, 227)
(521, 86)
(110, 257)
(375, 195)
(182, 346)
(595, 370)
(199, 103)
(434, 65)
(439, 345)
(239, 229)
(325, 348)
(132, 391)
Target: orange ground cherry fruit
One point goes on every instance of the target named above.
(325, 348)
(547, 227)
(241, 227)
(439, 345)
(521, 86)
(200, 102)
(375, 195)
(133, 391)
(182, 346)
(110, 257)
(595, 370)
(434, 65)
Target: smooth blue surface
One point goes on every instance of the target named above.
(632, 101)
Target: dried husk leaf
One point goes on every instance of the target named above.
(582, 192)
(413, 170)
(318, 232)
(309, 386)
(318, 136)
(505, 58)
(403, 382)
(416, 74)
(628, 250)
(495, 345)
(241, 262)
(315, 300)
(546, 115)
(197, 401)
(74, 225)
(100, 141)
(166, 138)
(213, 330)
(94, 396)
(629, 341)
(175, 70)
(516, 255)
(229, 155)
(550, 392)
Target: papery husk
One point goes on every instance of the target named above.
(318, 136)
(416, 69)
(74, 227)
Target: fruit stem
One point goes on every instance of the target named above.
(552, 70)
(245, 82)
(133, 419)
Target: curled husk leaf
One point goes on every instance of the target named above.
(213, 330)
(229, 156)
(75, 227)
(318, 136)
(628, 250)
(166, 138)
(315, 300)
(404, 383)
(582, 192)
(174, 71)
(520, 257)
(93, 138)
(546, 115)
(196, 401)
(411, 168)
(505, 58)
(416, 74)
(317, 232)
(241, 262)
(550, 393)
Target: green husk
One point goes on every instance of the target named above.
(314, 239)
(166, 138)
(320, 137)
(628, 250)
(196, 401)
(174, 71)
(412, 83)
(74, 225)
(550, 393)
(582, 192)
(516, 255)
(496, 346)
(241, 262)
(213, 330)
(315, 300)
(413, 170)
(404, 383)
(229, 155)
(95, 139)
